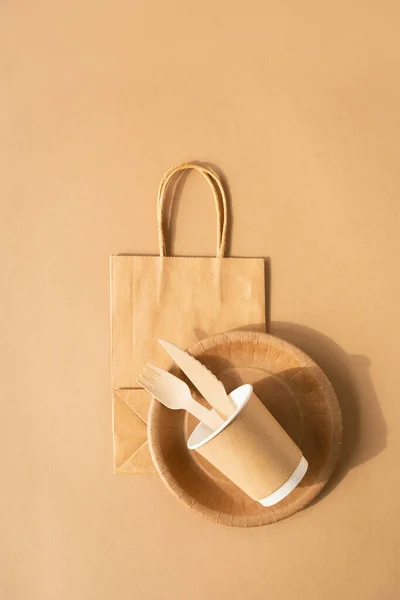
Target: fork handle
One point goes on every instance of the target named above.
(209, 417)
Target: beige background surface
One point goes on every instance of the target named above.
(298, 104)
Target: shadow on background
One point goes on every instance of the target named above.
(364, 429)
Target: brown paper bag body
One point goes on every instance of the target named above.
(178, 299)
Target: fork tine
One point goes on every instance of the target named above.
(150, 374)
(148, 379)
(145, 383)
(155, 368)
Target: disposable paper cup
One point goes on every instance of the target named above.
(252, 450)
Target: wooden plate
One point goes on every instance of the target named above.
(297, 393)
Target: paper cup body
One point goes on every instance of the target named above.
(252, 450)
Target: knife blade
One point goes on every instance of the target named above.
(208, 385)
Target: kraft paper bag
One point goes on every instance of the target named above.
(180, 299)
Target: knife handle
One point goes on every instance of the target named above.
(209, 417)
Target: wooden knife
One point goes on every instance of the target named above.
(208, 385)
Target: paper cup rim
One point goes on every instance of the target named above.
(247, 390)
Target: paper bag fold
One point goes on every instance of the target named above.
(131, 451)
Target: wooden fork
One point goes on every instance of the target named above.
(175, 394)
